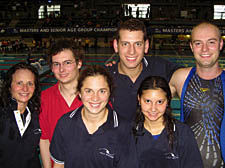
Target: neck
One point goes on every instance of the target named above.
(68, 90)
(154, 127)
(133, 73)
(208, 73)
(21, 107)
(94, 121)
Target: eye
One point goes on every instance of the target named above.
(160, 102)
(19, 83)
(102, 91)
(147, 101)
(197, 43)
(88, 91)
(124, 44)
(139, 44)
(212, 42)
(30, 84)
(55, 64)
(68, 62)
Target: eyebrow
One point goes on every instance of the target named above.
(63, 61)
(207, 40)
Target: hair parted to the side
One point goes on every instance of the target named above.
(5, 90)
(64, 44)
(131, 25)
(94, 70)
(153, 83)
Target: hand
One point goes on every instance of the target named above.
(109, 64)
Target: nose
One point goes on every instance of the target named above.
(153, 107)
(61, 68)
(95, 97)
(132, 49)
(205, 47)
(25, 87)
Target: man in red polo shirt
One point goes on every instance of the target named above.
(65, 62)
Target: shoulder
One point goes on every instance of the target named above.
(180, 74)
(112, 69)
(183, 129)
(124, 125)
(48, 92)
(4, 112)
(155, 59)
(183, 71)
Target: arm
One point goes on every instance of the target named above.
(56, 165)
(177, 81)
(45, 154)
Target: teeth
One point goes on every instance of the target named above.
(95, 105)
(24, 94)
(131, 58)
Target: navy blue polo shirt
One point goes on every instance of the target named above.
(111, 146)
(157, 154)
(124, 99)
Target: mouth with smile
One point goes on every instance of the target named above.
(24, 94)
(205, 55)
(63, 75)
(95, 105)
(152, 114)
(131, 59)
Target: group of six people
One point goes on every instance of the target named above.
(120, 115)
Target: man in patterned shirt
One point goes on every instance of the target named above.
(201, 90)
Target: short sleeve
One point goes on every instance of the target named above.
(43, 118)
(57, 146)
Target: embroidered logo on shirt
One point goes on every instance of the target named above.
(171, 156)
(105, 152)
(204, 89)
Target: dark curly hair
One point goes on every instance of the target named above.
(155, 82)
(5, 90)
(94, 70)
(62, 45)
(131, 25)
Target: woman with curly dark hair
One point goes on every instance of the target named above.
(161, 140)
(19, 126)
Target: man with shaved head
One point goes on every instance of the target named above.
(201, 89)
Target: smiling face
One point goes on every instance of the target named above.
(64, 67)
(153, 104)
(95, 94)
(131, 48)
(22, 86)
(206, 45)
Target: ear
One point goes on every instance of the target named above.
(139, 99)
(191, 46)
(115, 45)
(221, 44)
(79, 95)
(146, 46)
(79, 64)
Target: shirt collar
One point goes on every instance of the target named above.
(111, 122)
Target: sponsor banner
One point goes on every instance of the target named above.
(86, 30)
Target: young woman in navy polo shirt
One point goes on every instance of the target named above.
(161, 140)
(93, 136)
